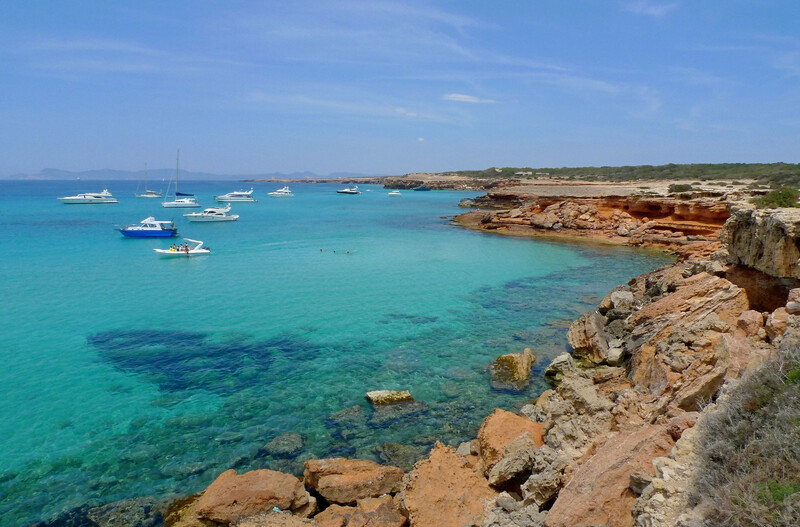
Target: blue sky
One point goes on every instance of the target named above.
(393, 87)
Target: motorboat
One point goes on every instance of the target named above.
(421, 187)
(184, 250)
(150, 228)
(180, 200)
(349, 190)
(89, 198)
(181, 203)
(281, 193)
(395, 193)
(213, 214)
(238, 196)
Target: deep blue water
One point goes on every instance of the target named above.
(124, 374)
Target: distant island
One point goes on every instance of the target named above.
(108, 174)
(772, 173)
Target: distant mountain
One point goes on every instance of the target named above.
(108, 174)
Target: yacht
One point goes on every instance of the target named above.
(349, 190)
(180, 200)
(213, 214)
(238, 196)
(395, 193)
(90, 197)
(193, 248)
(281, 193)
(150, 228)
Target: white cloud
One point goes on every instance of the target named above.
(649, 8)
(460, 97)
(405, 112)
(420, 139)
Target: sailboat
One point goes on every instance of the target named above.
(181, 199)
(147, 193)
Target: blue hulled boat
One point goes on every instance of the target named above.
(150, 228)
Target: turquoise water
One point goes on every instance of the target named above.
(127, 375)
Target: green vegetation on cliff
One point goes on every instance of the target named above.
(750, 468)
(783, 197)
(773, 173)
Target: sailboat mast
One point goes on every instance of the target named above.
(177, 171)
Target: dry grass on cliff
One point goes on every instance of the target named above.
(750, 452)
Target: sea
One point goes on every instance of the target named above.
(125, 374)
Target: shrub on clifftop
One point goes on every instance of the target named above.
(750, 453)
(784, 197)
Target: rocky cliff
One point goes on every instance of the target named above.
(767, 240)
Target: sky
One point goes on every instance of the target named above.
(392, 87)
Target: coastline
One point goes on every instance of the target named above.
(592, 419)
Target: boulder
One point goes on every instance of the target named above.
(576, 414)
(587, 339)
(345, 481)
(379, 397)
(234, 495)
(559, 367)
(400, 455)
(517, 460)
(776, 323)
(377, 512)
(599, 492)
(499, 429)
(445, 491)
(749, 322)
(512, 372)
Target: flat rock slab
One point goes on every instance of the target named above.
(346, 481)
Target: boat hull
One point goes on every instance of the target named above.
(220, 199)
(140, 233)
(180, 205)
(166, 253)
(84, 201)
(208, 219)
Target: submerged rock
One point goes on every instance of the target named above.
(386, 414)
(400, 455)
(138, 512)
(286, 445)
(349, 417)
(378, 397)
(512, 372)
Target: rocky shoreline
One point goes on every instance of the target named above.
(614, 442)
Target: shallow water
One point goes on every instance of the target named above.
(127, 375)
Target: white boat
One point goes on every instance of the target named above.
(180, 200)
(238, 196)
(281, 193)
(349, 190)
(213, 214)
(395, 193)
(147, 193)
(90, 197)
(184, 250)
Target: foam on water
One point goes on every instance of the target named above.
(127, 375)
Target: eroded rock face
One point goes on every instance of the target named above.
(767, 240)
(499, 429)
(234, 495)
(658, 361)
(599, 492)
(559, 368)
(445, 491)
(586, 337)
(345, 481)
